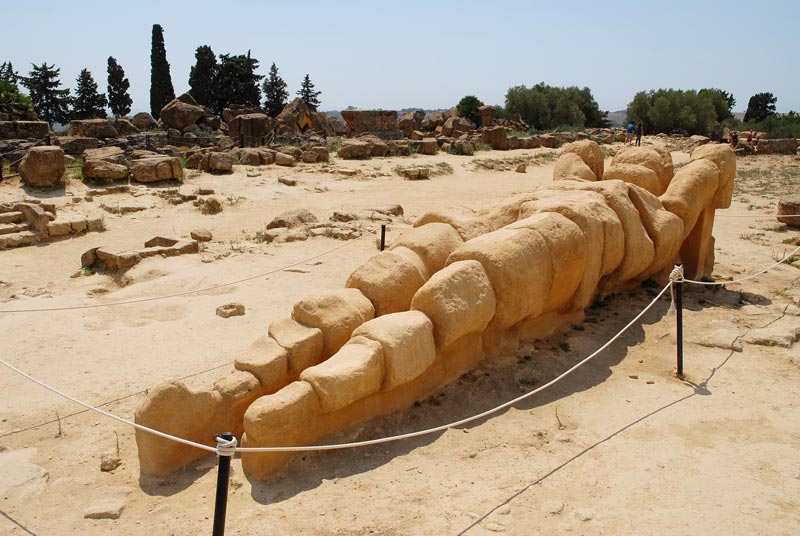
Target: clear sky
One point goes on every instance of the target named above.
(429, 54)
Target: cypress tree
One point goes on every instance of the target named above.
(307, 93)
(8, 74)
(118, 98)
(275, 93)
(161, 91)
(50, 103)
(88, 103)
(203, 76)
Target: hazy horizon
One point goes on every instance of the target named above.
(417, 54)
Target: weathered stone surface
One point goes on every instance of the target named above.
(570, 166)
(93, 128)
(156, 168)
(76, 145)
(458, 299)
(267, 361)
(388, 280)
(336, 313)
(589, 151)
(457, 124)
(779, 146)
(107, 503)
(125, 127)
(220, 162)
(487, 115)
(212, 205)
(42, 166)
(23, 129)
(407, 342)
(639, 175)
(496, 137)
(283, 159)
(143, 121)
(428, 146)
(231, 309)
(648, 157)
(297, 117)
(360, 121)
(304, 346)
(201, 235)
(114, 155)
(410, 121)
(253, 126)
(416, 173)
(19, 477)
(293, 218)
(179, 114)
(568, 250)
(352, 373)
(354, 149)
(103, 170)
(433, 243)
(724, 158)
(518, 265)
(158, 456)
(789, 210)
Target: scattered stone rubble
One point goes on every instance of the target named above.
(33, 221)
(108, 259)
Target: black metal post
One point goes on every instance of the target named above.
(223, 476)
(1, 169)
(48, 139)
(147, 144)
(383, 236)
(679, 322)
(241, 141)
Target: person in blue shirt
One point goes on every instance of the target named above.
(629, 133)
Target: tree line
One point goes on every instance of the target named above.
(213, 83)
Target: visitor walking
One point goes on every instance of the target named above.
(629, 133)
(639, 132)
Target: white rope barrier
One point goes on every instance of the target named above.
(745, 278)
(226, 448)
(194, 291)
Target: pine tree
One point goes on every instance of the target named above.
(118, 98)
(88, 103)
(50, 103)
(161, 90)
(308, 94)
(8, 74)
(237, 82)
(203, 76)
(275, 93)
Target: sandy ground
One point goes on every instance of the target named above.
(619, 447)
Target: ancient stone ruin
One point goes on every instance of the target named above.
(459, 287)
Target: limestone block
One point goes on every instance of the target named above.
(268, 361)
(42, 166)
(237, 391)
(465, 221)
(568, 252)
(666, 159)
(691, 191)
(304, 346)
(174, 409)
(58, 228)
(336, 313)
(725, 159)
(278, 419)
(414, 259)
(352, 373)
(504, 212)
(649, 158)
(388, 280)
(636, 174)
(663, 227)
(458, 299)
(589, 151)
(433, 242)
(601, 227)
(571, 166)
(639, 250)
(518, 265)
(408, 345)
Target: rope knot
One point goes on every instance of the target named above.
(225, 447)
(676, 275)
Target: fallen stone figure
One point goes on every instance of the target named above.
(459, 287)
